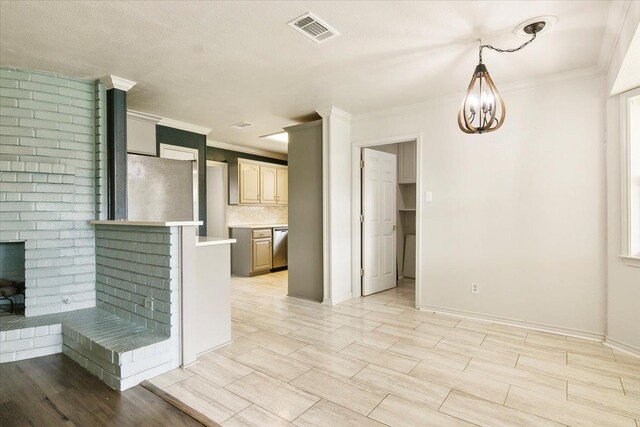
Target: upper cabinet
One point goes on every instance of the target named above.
(268, 185)
(407, 163)
(249, 180)
(282, 183)
(258, 183)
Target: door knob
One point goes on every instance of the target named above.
(395, 227)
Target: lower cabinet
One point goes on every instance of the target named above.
(252, 253)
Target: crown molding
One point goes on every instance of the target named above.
(333, 111)
(247, 150)
(567, 76)
(143, 117)
(115, 82)
(613, 28)
(189, 127)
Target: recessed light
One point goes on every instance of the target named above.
(279, 137)
(241, 125)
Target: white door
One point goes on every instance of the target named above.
(217, 199)
(177, 152)
(249, 183)
(283, 186)
(267, 185)
(379, 182)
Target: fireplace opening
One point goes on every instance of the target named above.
(12, 283)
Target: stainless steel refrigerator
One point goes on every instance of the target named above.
(161, 189)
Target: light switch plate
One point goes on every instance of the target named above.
(428, 196)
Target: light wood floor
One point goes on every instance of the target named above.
(377, 361)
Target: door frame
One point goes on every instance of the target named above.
(356, 208)
(225, 184)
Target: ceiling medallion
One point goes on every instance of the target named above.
(483, 108)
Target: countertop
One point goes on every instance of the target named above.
(258, 225)
(147, 223)
(210, 241)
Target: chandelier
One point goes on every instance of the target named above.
(483, 108)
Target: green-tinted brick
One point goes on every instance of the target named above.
(8, 102)
(13, 74)
(18, 131)
(38, 87)
(51, 97)
(37, 105)
(50, 80)
(8, 121)
(75, 93)
(15, 93)
(38, 124)
(15, 112)
(88, 130)
(58, 117)
(8, 83)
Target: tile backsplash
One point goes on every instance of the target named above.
(237, 215)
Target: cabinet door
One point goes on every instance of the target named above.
(267, 185)
(261, 255)
(282, 186)
(407, 162)
(249, 177)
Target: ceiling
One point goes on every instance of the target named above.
(214, 64)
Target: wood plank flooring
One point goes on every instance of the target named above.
(55, 391)
(377, 361)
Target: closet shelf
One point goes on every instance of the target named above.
(407, 210)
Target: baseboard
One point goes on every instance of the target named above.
(341, 298)
(535, 326)
(622, 347)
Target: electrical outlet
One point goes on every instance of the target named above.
(475, 288)
(148, 303)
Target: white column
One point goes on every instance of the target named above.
(336, 162)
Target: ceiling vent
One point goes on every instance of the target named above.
(312, 27)
(241, 125)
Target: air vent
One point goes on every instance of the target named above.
(312, 27)
(241, 125)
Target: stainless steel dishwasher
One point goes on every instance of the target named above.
(279, 258)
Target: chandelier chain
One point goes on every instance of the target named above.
(488, 46)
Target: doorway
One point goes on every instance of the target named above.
(217, 199)
(386, 186)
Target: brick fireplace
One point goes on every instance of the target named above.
(48, 192)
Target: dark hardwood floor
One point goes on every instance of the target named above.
(55, 391)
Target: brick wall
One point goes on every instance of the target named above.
(25, 343)
(134, 263)
(48, 185)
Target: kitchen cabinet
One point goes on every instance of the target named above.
(282, 183)
(407, 163)
(258, 183)
(268, 185)
(261, 255)
(249, 183)
(252, 253)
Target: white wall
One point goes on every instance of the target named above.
(336, 145)
(521, 210)
(623, 281)
(141, 136)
